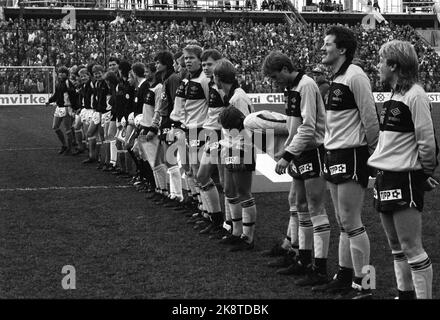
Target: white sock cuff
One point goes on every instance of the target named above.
(320, 220)
(417, 259)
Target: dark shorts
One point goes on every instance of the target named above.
(395, 191)
(343, 165)
(308, 165)
(212, 145)
(238, 161)
(194, 139)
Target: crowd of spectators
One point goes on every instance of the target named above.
(43, 42)
(329, 6)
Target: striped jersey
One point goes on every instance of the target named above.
(215, 107)
(305, 116)
(241, 101)
(196, 100)
(151, 103)
(406, 139)
(351, 119)
(178, 114)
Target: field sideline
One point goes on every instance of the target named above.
(54, 211)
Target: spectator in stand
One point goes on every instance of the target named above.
(44, 42)
(264, 5)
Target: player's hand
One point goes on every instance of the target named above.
(150, 135)
(430, 184)
(281, 166)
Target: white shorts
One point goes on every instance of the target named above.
(61, 112)
(131, 118)
(120, 134)
(83, 115)
(96, 117)
(106, 118)
(138, 119)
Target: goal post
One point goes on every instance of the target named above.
(27, 79)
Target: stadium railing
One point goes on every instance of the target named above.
(143, 4)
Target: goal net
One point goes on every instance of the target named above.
(21, 79)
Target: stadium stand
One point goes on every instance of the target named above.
(38, 42)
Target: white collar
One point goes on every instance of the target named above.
(141, 82)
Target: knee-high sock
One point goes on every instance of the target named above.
(236, 215)
(360, 250)
(176, 182)
(106, 151)
(228, 218)
(321, 240)
(249, 213)
(156, 182)
(92, 147)
(113, 152)
(191, 185)
(172, 187)
(60, 136)
(184, 182)
(321, 235)
(120, 160)
(421, 270)
(161, 172)
(293, 225)
(402, 271)
(344, 250)
(212, 197)
(305, 238)
(203, 204)
(98, 151)
(130, 159)
(79, 139)
(287, 241)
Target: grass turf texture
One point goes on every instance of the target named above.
(124, 246)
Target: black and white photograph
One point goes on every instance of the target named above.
(222, 158)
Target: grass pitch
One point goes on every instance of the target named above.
(123, 246)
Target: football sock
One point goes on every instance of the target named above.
(421, 270)
(402, 271)
(360, 249)
(249, 214)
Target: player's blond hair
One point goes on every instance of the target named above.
(403, 55)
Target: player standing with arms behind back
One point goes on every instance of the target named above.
(350, 137)
(406, 159)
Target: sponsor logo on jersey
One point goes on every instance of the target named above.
(388, 195)
(337, 169)
(395, 112)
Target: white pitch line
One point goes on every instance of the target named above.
(26, 149)
(64, 188)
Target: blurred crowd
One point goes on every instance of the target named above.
(42, 42)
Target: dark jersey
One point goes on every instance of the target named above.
(140, 98)
(101, 93)
(64, 95)
(86, 95)
(124, 99)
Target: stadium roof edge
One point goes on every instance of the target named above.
(415, 20)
